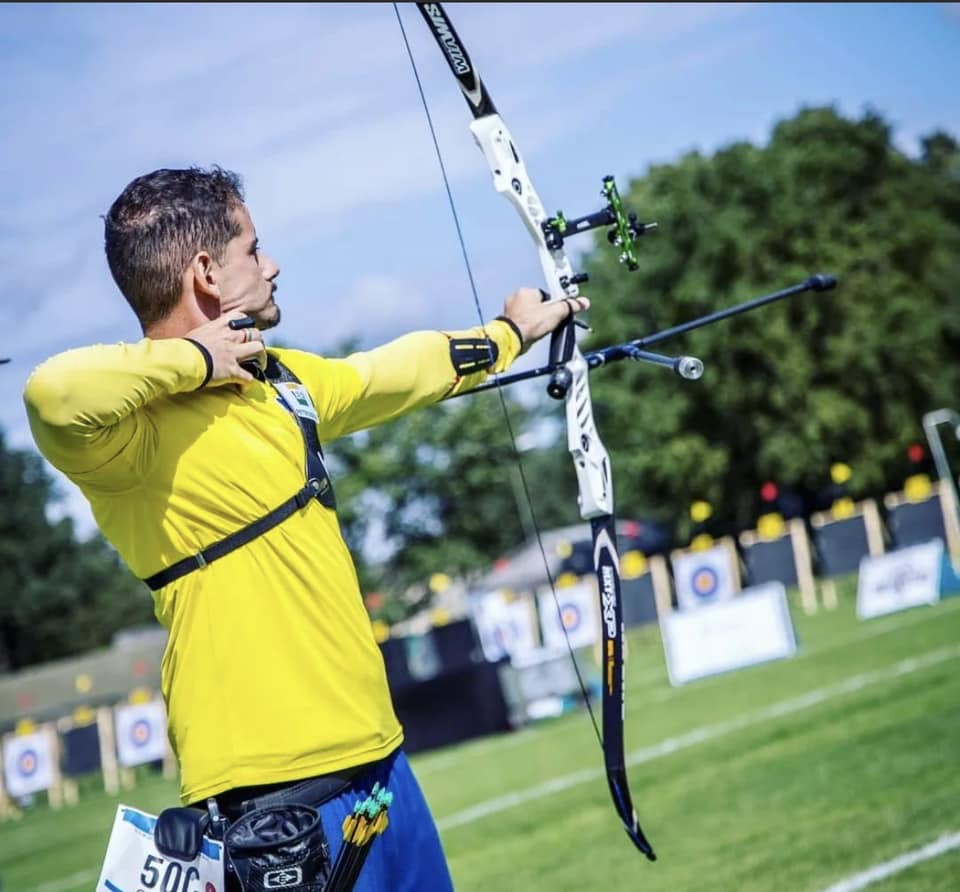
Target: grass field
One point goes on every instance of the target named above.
(787, 776)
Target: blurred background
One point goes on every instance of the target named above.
(788, 524)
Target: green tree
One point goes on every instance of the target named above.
(58, 596)
(794, 387)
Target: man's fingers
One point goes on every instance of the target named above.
(247, 336)
(247, 351)
(239, 373)
(535, 314)
(570, 306)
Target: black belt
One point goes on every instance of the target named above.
(312, 791)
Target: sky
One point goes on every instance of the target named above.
(316, 107)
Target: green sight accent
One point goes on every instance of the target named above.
(626, 241)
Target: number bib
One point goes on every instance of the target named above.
(133, 863)
(297, 398)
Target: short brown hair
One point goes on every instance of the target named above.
(159, 223)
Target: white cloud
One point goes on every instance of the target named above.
(374, 307)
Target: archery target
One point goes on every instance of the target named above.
(577, 619)
(571, 616)
(704, 577)
(141, 733)
(27, 763)
(505, 625)
(705, 582)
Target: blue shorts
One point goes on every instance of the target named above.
(408, 857)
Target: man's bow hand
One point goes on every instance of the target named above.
(534, 317)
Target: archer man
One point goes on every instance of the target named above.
(199, 450)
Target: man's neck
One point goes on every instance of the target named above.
(184, 319)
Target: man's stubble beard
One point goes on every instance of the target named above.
(270, 323)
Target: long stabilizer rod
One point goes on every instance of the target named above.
(686, 366)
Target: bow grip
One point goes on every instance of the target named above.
(563, 340)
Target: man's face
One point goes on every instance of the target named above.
(246, 276)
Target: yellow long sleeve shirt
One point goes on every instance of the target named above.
(271, 672)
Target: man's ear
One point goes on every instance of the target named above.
(204, 271)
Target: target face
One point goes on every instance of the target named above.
(705, 581)
(570, 614)
(140, 732)
(27, 763)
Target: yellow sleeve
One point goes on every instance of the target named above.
(83, 406)
(417, 369)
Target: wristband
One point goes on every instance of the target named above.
(513, 326)
(207, 359)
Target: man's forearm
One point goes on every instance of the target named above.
(417, 369)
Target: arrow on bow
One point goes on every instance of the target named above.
(568, 369)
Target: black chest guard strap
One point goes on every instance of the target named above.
(317, 486)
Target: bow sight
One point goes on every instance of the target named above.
(626, 229)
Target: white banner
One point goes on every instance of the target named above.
(132, 861)
(752, 628)
(908, 577)
(141, 733)
(704, 577)
(27, 763)
(577, 614)
(506, 626)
